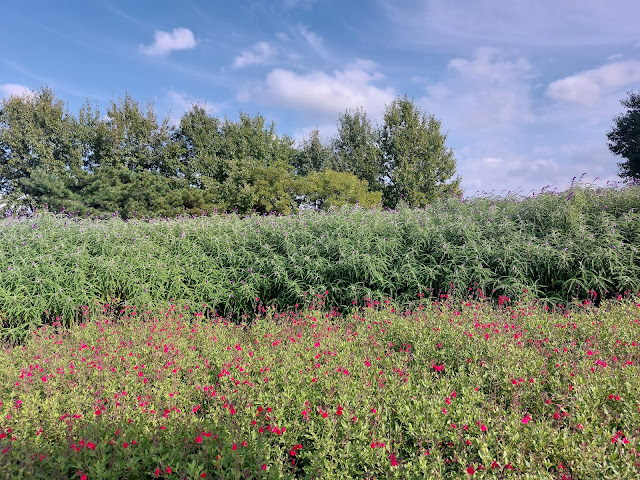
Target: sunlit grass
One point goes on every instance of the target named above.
(550, 246)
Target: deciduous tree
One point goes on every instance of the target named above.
(417, 164)
(356, 150)
(624, 137)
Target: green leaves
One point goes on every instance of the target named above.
(624, 137)
(416, 162)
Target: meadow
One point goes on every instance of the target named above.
(551, 246)
(485, 338)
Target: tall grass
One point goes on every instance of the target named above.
(553, 246)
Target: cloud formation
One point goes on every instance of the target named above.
(11, 89)
(319, 93)
(522, 23)
(491, 91)
(586, 88)
(166, 42)
(259, 54)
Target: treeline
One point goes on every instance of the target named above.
(128, 161)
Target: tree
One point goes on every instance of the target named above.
(416, 162)
(355, 149)
(36, 135)
(198, 142)
(250, 142)
(333, 189)
(624, 138)
(134, 138)
(313, 156)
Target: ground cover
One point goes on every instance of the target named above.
(550, 246)
(440, 389)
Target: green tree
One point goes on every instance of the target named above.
(250, 142)
(333, 189)
(94, 136)
(416, 162)
(355, 149)
(134, 138)
(137, 194)
(624, 137)
(36, 134)
(198, 144)
(313, 156)
(273, 189)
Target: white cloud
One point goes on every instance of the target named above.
(515, 23)
(259, 54)
(527, 172)
(165, 42)
(586, 88)
(319, 93)
(11, 89)
(488, 92)
(314, 40)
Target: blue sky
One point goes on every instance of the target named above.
(525, 90)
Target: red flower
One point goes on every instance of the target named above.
(199, 439)
(471, 470)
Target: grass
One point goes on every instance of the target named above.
(447, 390)
(448, 342)
(550, 246)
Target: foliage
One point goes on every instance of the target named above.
(35, 133)
(450, 389)
(313, 156)
(624, 137)
(550, 246)
(356, 151)
(329, 188)
(48, 156)
(134, 138)
(417, 163)
(197, 143)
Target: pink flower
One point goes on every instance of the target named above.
(526, 419)
(483, 428)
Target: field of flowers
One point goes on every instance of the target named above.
(485, 338)
(551, 246)
(446, 390)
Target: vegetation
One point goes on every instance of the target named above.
(624, 137)
(444, 390)
(161, 318)
(552, 246)
(130, 162)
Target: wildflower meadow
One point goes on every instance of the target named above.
(491, 338)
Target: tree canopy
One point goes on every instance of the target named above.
(128, 161)
(624, 137)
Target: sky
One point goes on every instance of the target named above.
(525, 90)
